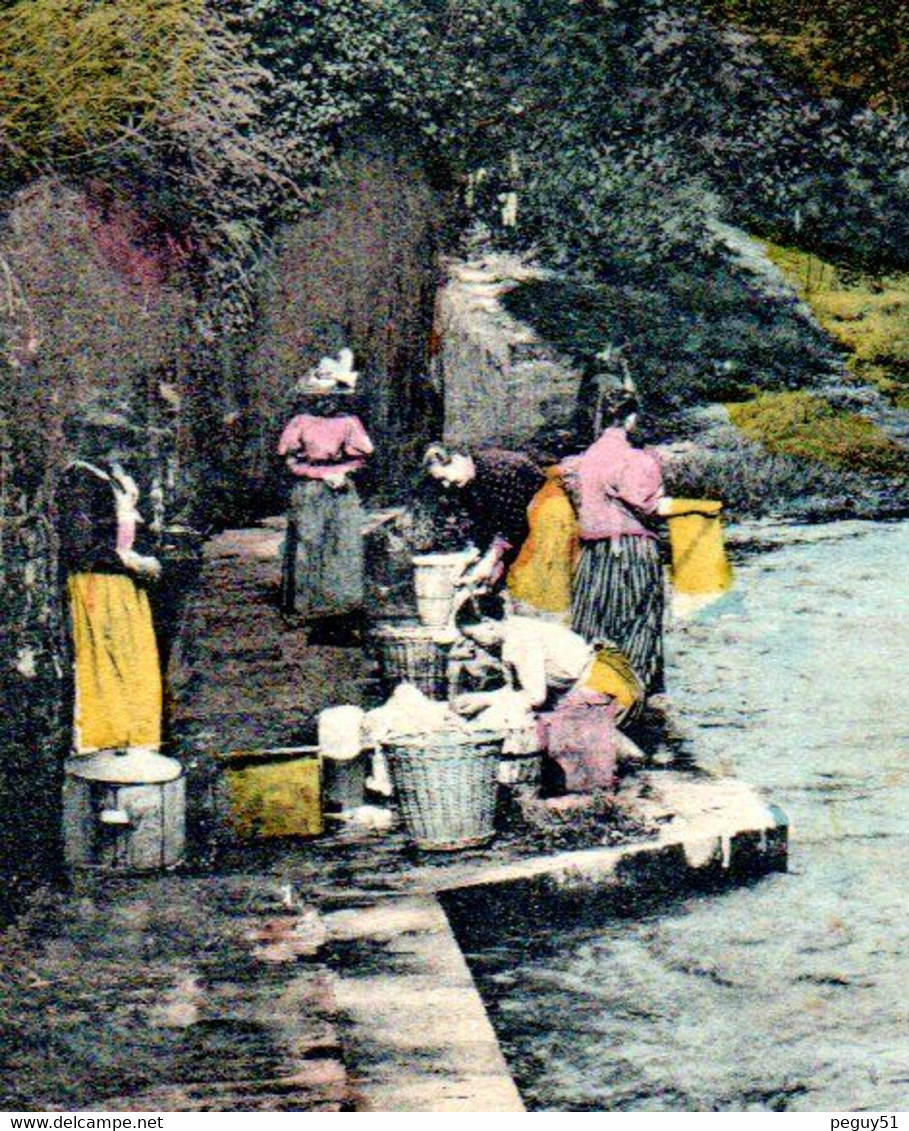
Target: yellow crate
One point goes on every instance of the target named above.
(273, 793)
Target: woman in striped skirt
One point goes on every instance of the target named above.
(618, 586)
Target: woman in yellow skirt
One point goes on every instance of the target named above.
(118, 686)
(540, 579)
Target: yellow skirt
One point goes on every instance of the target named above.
(118, 674)
(540, 576)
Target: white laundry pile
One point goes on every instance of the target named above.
(408, 714)
(508, 709)
(373, 818)
(340, 732)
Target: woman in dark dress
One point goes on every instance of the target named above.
(496, 488)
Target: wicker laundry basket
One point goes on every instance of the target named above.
(409, 652)
(446, 785)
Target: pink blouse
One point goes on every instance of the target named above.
(316, 445)
(609, 474)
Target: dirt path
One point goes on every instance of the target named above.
(241, 678)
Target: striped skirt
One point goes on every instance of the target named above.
(618, 596)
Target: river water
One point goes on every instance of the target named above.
(792, 993)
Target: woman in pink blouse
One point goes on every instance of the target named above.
(618, 586)
(323, 448)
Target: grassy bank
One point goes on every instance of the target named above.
(868, 315)
(805, 425)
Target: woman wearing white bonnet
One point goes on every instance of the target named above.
(324, 445)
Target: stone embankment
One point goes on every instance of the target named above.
(502, 382)
(323, 974)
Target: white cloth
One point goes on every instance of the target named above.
(506, 710)
(407, 713)
(341, 732)
(545, 655)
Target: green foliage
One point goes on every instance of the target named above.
(86, 75)
(868, 315)
(158, 98)
(803, 425)
(624, 129)
(847, 48)
(621, 131)
(557, 121)
(416, 66)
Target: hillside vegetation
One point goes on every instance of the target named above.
(804, 425)
(867, 314)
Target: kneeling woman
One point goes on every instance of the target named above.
(580, 693)
(323, 447)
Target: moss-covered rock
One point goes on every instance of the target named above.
(802, 424)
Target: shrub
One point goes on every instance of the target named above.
(155, 97)
(754, 483)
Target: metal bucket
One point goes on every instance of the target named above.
(520, 769)
(434, 578)
(343, 783)
(124, 812)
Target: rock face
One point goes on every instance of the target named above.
(500, 381)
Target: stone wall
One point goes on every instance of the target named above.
(500, 381)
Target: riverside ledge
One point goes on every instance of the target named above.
(328, 974)
(380, 924)
(413, 1025)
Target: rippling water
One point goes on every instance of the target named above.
(791, 994)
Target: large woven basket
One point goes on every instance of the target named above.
(446, 786)
(409, 653)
